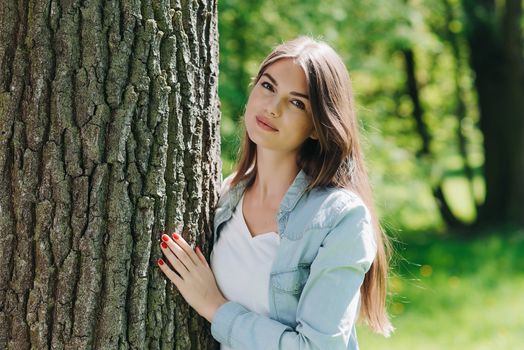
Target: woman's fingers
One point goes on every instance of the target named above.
(179, 252)
(178, 239)
(173, 277)
(178, 265)
(201, 256)
(181, 256)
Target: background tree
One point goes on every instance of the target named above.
(494, 34)
(109, 136)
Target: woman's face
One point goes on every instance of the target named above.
(278, 112)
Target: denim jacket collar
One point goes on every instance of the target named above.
(292, 196)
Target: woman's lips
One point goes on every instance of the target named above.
(264, 124)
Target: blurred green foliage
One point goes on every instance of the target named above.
(370, 36)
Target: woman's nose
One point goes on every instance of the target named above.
(273, 108)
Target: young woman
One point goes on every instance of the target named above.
(298, 251)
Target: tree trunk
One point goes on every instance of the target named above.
(109, 136)
(460, 103)
(495, 42)
(418, 112)
(425, 137)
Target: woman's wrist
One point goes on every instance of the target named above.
(214, 307)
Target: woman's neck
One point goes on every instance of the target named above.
(275, 173)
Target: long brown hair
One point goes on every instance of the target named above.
(335, 159)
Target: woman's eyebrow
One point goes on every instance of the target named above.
(292, 92)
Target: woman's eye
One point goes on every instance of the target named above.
(299, 104)
(267, 85)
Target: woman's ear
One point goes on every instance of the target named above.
(314, 135)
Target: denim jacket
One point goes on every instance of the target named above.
(326, 247)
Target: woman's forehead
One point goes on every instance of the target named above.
(286, 72)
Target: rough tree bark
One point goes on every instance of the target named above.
(109, 136)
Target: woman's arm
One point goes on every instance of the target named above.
(329, 304)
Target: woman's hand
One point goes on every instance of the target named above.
(192, 276)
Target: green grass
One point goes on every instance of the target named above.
(449, 293)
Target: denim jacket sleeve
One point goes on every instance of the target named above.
(329, 304)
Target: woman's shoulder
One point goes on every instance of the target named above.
(346, 212)
(335, 203)
(337, 198)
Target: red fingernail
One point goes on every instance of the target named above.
(175, 236)
(198, 248)
(164, 245)
(160, 262)
(165, 238)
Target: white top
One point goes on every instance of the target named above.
(242, 263)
